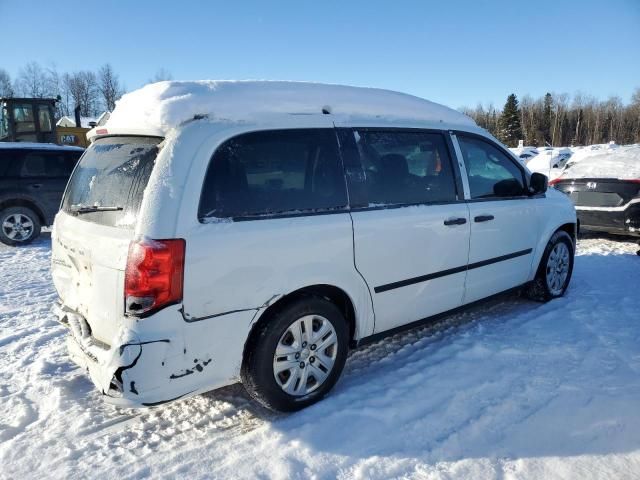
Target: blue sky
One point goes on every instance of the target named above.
(453, 52)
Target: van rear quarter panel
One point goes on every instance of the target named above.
(246, 265)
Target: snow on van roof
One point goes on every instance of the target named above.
(34, 145)
(164, 105)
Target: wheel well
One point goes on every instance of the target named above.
(335, 295)
(571, 229)
(18, 202)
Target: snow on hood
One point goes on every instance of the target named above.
(164, 105)
(620, 162)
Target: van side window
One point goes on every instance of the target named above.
(406, 167)
(491, 173)
(271, 172)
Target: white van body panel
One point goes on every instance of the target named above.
(219, 281)
(553, 211)
(303, 251)
(235, 270)
(513, 230)
(88, 271)
(399, 244)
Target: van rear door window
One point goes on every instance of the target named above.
(274, 172)
(108, 185)
(406, 167)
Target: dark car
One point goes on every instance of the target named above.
(605, 188)
(33, 177)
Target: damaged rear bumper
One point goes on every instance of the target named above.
(160, 358)
(133, 372)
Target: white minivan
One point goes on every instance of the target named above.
(219, 231)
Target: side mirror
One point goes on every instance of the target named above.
(538, 183)
(508, 188)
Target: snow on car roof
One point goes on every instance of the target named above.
(32, 145)
(164, 105)
(621, 162)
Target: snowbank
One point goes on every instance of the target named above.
(621, 162)
(68, 121)
(163, 105)
(549, 161)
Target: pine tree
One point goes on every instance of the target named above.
(546, 118)
(509, 123)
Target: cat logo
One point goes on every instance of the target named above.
(68, 139)
(592, 185)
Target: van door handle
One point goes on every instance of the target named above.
(483, 218)
(36, 186)
(455, 221)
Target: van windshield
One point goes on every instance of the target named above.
(108, 184)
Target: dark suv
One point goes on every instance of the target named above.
(33, 177)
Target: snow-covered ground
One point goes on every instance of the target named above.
(509, 389)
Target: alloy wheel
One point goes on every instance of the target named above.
(17, 227)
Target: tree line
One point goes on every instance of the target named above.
(557, 120)
(93, 91)
(561, 120)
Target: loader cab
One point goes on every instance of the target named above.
(27, 120)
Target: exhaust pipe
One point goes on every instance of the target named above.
(76, 112)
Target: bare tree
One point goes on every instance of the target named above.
(54, 88)
(634, 114)
(31, 81)
(161, 75)
(109, 86)
(83, 89)
(6, 89)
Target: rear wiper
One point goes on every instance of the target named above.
(80, 209)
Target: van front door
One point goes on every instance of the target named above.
(504, 224)
(411, 225)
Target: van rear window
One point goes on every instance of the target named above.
(274, 172)
(108, 184)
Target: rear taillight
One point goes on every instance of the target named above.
(154, 275)
(554, 181)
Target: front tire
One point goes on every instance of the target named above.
(555, 269)
(296, 355)
(18, 226)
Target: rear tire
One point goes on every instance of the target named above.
(18, 226)
(555, 269)
(296, 355)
